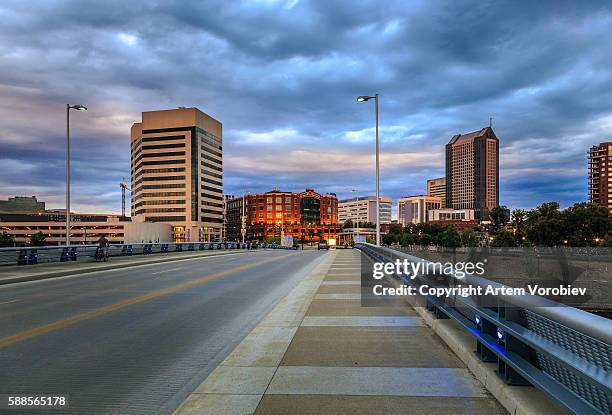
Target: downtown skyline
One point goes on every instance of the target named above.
(285, 92)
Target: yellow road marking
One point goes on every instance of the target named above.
(56, 325)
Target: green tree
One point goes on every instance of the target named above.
(6, 240)
(586, 223)
(468, 238)
(450, 238)
(408, 239)
(395, 228)
(273, 240)
(500, 216)
(424, 239)
(388, 239)
(347, 224)
(38, 239)
(503, 238)
(544, 225)
(519, 216)
(411, 228)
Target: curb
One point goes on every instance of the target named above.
(88, 269)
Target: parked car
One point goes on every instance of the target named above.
(323, 245)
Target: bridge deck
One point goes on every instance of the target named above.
(321, 352)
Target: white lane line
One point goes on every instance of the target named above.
(166, 270)
(8, 302)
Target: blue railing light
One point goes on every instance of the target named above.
(477, 318)
(501, 335)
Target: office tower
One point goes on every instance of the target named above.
(437, 187)
(363, 209)
(177, 172)
(414, 209)
(472, 172)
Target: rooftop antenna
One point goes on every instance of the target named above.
(123, 187)
(490, 122)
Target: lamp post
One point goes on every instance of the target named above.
(356, 191)
(363, 98)
(68, 108)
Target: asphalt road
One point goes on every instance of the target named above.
(137, 340)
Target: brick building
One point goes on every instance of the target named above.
(274, 214)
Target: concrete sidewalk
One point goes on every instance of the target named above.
(21, 273)
(321, 352)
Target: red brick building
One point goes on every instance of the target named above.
(307, 214)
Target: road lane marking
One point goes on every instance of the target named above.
(166, 270)
(56, 325)
(8, 302)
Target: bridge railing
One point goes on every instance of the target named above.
(564, 351)
(73, 253)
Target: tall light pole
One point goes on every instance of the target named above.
(356, 191)
(68, 108)
(363, 98)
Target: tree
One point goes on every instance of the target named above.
(518, 223)
(503, 238)
(468, 238)
(500, 216)
(450, 238)
(586, 223)
(6, 240)
(388, 239)
(408, 239)
(347, 224)
(424, 239)
(38, 239)
(368, 225)
(544, 225)
(395, 228)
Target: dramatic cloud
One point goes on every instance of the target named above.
(282, 76)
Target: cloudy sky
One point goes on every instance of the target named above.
(282, 76)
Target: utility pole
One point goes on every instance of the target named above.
(123, 187)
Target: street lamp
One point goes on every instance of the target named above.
(356, 191)
(68, 108)
(364, 98)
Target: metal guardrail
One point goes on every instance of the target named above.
(42, 254)
(563, 351)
